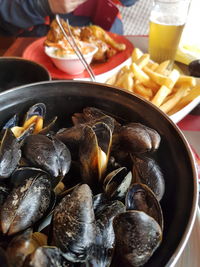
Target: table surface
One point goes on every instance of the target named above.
(190, 127)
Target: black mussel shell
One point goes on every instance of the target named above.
(47, 153)
(38, 109)
(138, 138)
(105, 237)
(10, 154)
(117, 183)
(137, 236)
(147, 171)
(74, 224)
(140, 197)
(26, 204)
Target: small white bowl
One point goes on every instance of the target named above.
(70, 63)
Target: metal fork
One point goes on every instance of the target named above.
(75, 47)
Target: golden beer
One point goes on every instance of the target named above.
(164, 39)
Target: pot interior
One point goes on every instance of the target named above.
(63, 98)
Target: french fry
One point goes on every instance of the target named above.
(152, 65)
(167, 106)
(187, 80)
(162, 93)
(136, 54)
(163, 67)
(194, 93)
(160, 79)
(143, 77)
(144, 91)
(143, 60)
(127, 82)
(166, 89)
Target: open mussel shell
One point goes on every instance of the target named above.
(105, 237)
(74, 227)
(147, 171)
(138, 138)
(38, 109)
(26, 204)
(94, 153)
(117, 183)
(13, 121)
(140, 197)
(92, 113)
(10, 154)
(137, 235)
(47, 153)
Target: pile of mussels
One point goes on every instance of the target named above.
(86, 195)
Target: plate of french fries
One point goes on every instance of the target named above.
(173, 92)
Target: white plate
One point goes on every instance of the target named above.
(142, 43)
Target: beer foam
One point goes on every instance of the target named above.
(166, 20)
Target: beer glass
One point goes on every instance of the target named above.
(167, 20)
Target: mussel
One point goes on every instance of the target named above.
(137, 236)
(10, 154)
(74, 227)
(105, 238)
(137, 138)
(94, 153)
(26, 204)
(48, 214)
(48, 153)
(147, 171)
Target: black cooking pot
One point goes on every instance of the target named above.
(179, 203)
(16, 71)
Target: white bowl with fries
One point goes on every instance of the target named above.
(174, 93)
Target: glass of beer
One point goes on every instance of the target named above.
(167, 20)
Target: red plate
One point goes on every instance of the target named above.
(35, 52)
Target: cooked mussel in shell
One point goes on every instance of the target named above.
(138, 138)
(48, 153)
(26, 204)
(83, 195)
(10, 154)
(74, 226)
(94, 153)
(147, 171)
(137, 236)
(105, 238)
(140, 197)
(117, 183)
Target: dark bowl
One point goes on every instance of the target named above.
(16, 71)
(180, 200)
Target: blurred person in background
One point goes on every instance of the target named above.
(32, 18)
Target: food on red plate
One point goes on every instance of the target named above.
(107, 46)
